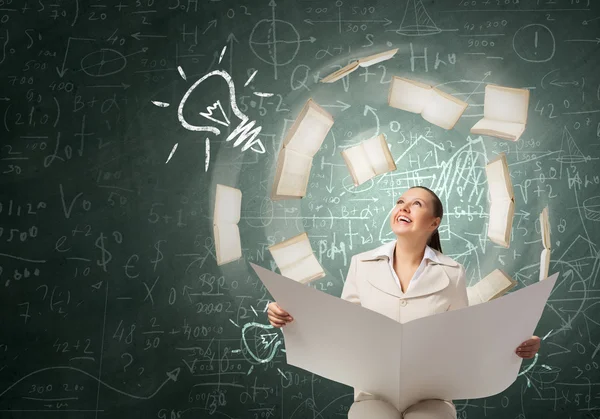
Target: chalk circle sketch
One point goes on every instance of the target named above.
(348, 185)
(264, 38)
(534, 43)
(416, 21)
(469, 169)
(104, 62)
(265, 212)
(259, 343)
(591, 208)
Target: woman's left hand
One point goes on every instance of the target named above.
(529, 348)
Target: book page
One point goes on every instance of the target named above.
(473, 295)
(506, 104)
(305, 270)
(291, 251)
(377, 58)
(498, 179)
(310, 131)
(545, 228)
(443, 110)
(358, 164)
(408, 95)
(295, 172)
(544, 264)
(379, 155)
(505, 130)
(500, 222)
(228, 246)
(342, 72)
(494, 285)
(228, 205)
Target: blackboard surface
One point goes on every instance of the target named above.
(112, 304)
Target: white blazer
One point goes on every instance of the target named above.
(440, 287)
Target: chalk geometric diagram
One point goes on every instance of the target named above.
(416, 21)
(265, 36)
(569, 150)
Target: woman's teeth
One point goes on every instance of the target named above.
(403, 218)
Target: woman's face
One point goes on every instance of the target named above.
(413, 214)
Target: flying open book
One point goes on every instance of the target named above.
(300, 144)
(494, 285)
(226, 216)
(545, 256)
(368, 159)
(504, 112)
(435, 106)
(362, 62)
(502, 202)
(296, 260)
(468, 353)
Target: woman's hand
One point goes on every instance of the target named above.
(529, 348)
(278, 317)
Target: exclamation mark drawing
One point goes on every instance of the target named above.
(535, 42)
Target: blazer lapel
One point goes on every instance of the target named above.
(377, 273)
(434, 277)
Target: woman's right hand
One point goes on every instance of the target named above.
(278, 317)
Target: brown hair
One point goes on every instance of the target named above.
(438, 211)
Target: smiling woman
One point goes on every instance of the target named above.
(406, 279)
(423, 203)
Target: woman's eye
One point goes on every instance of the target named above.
(417, 202)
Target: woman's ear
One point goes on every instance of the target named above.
(436, 222)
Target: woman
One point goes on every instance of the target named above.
(406, 279)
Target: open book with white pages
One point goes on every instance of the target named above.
(467, 353)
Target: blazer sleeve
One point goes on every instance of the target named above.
(461, 299)
(350, 290)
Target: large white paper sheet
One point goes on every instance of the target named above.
(462, 354)
(335, 338)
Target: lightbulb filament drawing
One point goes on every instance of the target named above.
(246, 130)
(208, 115)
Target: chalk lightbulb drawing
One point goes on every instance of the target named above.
(246, 129)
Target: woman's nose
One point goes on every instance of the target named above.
(402, 210)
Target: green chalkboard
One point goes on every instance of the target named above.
(112, 302)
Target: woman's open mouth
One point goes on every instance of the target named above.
(403, 219)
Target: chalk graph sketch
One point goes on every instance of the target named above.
(268, 33)
(120, 118)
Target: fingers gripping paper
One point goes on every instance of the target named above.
(461, 354)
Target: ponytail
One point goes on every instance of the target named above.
(438, 211)
(434, 241)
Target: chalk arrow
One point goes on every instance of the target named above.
(138, 36)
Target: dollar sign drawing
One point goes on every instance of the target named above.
(159, 254)
(106, 255)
